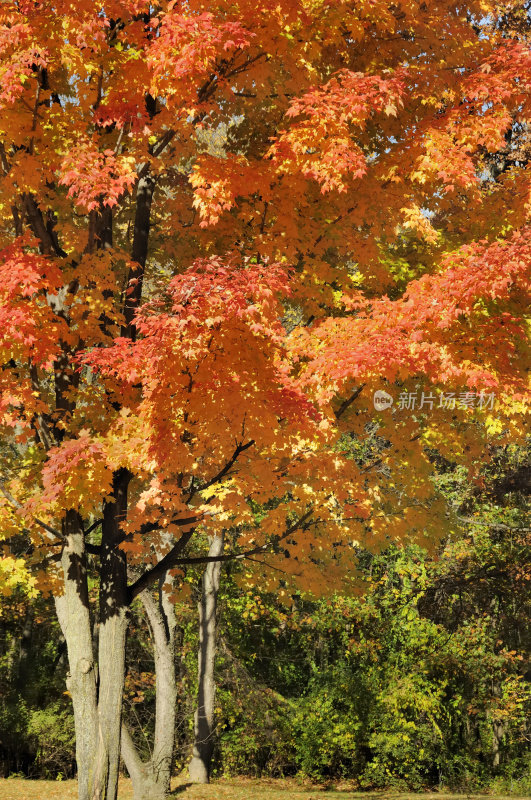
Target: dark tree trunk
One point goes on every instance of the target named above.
(113, 610)
(24, 653)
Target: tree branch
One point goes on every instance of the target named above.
(240, 448)
(149, 527)
(302, 522)
(93, 526)
(149, 577)
(348, 402)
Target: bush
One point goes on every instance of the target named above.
(326, 738)
(256, 737)
(51, 730)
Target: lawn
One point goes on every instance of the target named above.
(236, 789)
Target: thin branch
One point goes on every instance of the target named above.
(202, 94)
(373, 465)
(54, 558)
(149, 527)
(34, 121)
(302, 522)
(243, 67)
(264, 215)
(93, 526)
(172, 559)
(6, 166)
(119, 141)
(334, 222)
(265, 564)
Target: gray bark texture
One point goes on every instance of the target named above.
(104, 778)
(73, 614)
(204, 722)
(151, 779)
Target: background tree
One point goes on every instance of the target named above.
(204, 720)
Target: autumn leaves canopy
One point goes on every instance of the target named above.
(219, 221)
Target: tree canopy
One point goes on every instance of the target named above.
(223, 227)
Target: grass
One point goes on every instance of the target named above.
(226, 789)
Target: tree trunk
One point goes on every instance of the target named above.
(111, 658)
(73, 614)
(199, 768)
(166, 699)
(151, 780)
(498, 731)
(113, 610)
(25, 647)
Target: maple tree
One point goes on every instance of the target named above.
(182, 185)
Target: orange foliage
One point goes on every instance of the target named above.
(204, 214)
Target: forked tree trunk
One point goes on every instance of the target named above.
(145, 785)
(204, 730)
(96, 693)
(151, 779)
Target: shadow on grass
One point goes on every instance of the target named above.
(179, 789)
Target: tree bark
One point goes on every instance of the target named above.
(164, 642)
(104, 777)
(145, 786)
(114, 617)
(74, 618)
(204, 731)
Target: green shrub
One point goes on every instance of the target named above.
(326, 737)
(255, 735)
(51, 730)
